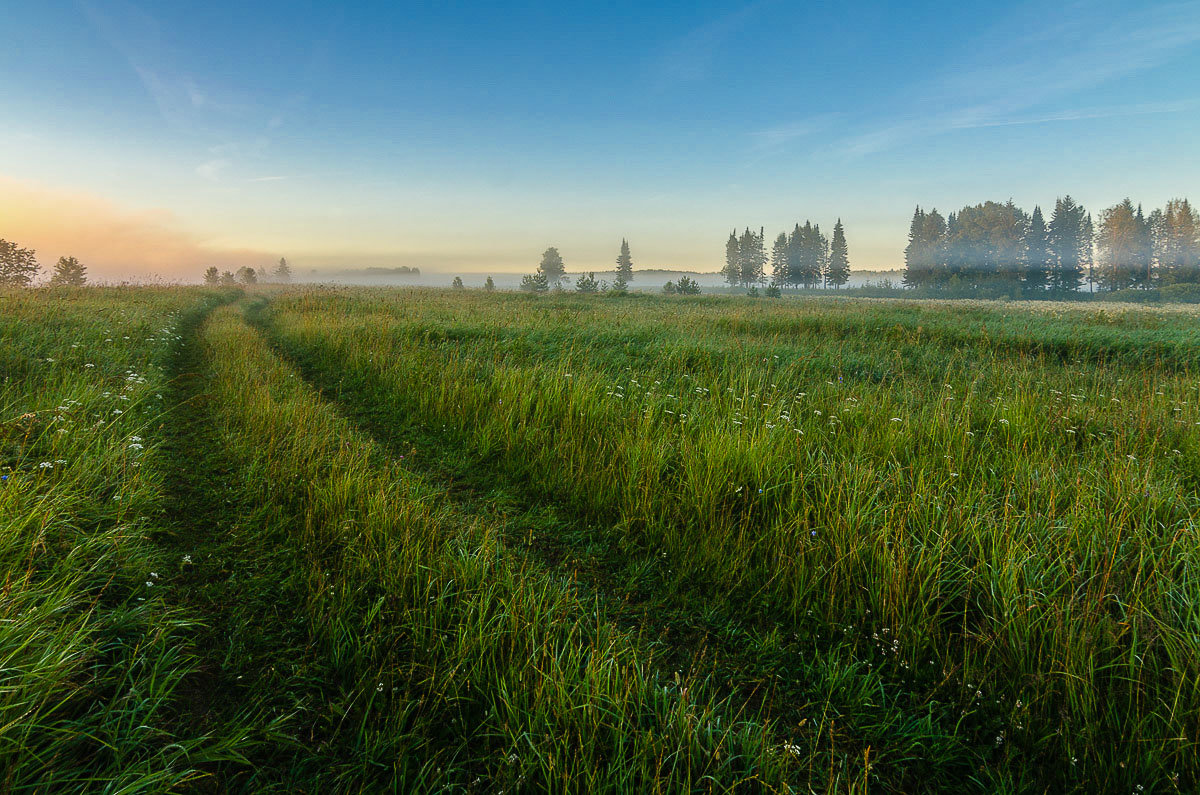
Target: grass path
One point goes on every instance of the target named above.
(758, 662)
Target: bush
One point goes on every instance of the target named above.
(1181, 293)
(537, 283)
(587, 284)
(773, 291)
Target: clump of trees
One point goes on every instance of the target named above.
(457, 284)
(282, 274)
(587, 284)
(489, 286)
(999, 246)
(685, 286)
(551, 270)
(804, 258)
(18, 265)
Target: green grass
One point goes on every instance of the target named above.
(481, 542)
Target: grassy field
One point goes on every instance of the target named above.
(352, 540)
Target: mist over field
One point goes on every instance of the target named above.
(626, 397)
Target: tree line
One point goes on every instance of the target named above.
(19, 267)
(999, 245)
(247, 275)
(805, 258)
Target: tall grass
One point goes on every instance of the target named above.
(93, 654)
(448, 662)
(995, 506)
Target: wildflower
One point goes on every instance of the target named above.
(187, 560)
(46, 465)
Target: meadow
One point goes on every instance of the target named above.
(320, 539)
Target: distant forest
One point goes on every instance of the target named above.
(996, 247)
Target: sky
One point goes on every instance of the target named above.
(151, 138)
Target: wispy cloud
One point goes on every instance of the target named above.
(690, 57)
(235, 128)
(779, 136)
(267, 179)
(211, 170)
(1015, 78)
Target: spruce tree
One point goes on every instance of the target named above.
(779, 266)
(69, 271)
(795, 256)
(1143, 264)
(838, 271)
(1179, 247)
(733, 262)
(820, 256)
(283, 271)
(1119, 246)
(1068, 243)
(915, 274)
(1037, 254)
(625, 263)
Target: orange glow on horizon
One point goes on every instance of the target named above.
(113, 242)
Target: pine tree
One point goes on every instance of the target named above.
(839, 257)
(625, 263)
(211, 275)
(779, 266)
(283, 271)
(69, 271)
(552, 266)
(489, 286)
(1037, 253)
(18, 266)
(733, 262)
(227, 278)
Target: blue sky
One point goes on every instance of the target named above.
(468, 137)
